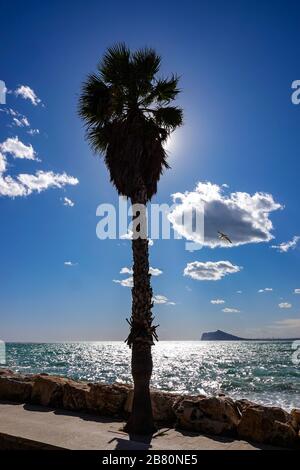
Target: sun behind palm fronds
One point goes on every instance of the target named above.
(128, 116)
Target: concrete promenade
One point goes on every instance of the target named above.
(33, 427)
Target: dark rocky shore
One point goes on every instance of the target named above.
(217, 415)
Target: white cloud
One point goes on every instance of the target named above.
(161, 299)
(241, 216)
(128, 282)
(126, 270)
(286, 246)
(210, 271)
(2, 163)
(17, 149)
(297, 291)
(230, 310)
(285, 305)
(152, 271)
(9, 111)
(70, 263)
(68, 202)
(129, 236)
(155, 271)
(28, 94)
(18, 119)
(25, 184)
(266, 289)
(217, 301)
(21, 121)
(46, 179)
(239, 291)
(10, 187)
(33, 131)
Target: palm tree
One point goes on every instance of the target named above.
(128, 117)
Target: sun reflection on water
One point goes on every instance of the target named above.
(259, 371)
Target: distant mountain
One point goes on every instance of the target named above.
(220, 336)
(223, 336)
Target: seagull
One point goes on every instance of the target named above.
(224, 237)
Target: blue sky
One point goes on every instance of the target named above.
(237, 61)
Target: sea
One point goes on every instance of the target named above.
(262, 371)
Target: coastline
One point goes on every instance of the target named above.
(212, 415)
(260, 372)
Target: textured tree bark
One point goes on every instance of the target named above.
(141, 334)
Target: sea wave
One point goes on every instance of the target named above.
(259, 371)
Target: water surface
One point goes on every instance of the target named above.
(260, 371)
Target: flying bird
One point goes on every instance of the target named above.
(224, 237)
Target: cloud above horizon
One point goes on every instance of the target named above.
(19, 120)
(217, 301)
(284, 247)
(128, 282)
(285, 305)
(15, 147)
(68, 202)
(152, 271)
(162, 299)
(27, 93)
(240, 215)
(230, 310)
(266, 289)
(210, 270)
(25, 184)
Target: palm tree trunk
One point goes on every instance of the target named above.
(141, 334)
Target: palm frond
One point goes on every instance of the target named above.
(146, 63)
(168, 117)
(94, 102)
(99, 138)
(115, 65)
(166, 89)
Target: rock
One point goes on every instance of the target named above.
(214, 415)
(15, 387)
(243, 404)
(270, 425)
(48, 390)
(74, 395)
(105, 399)
(284, 435)
(6, 372)
(162, 405)
(295, 414)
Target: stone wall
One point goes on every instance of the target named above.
(218, 415)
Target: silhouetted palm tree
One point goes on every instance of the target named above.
(127, 112)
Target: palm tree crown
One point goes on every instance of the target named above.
(127, 112)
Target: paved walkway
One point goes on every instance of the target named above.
(27, 426)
